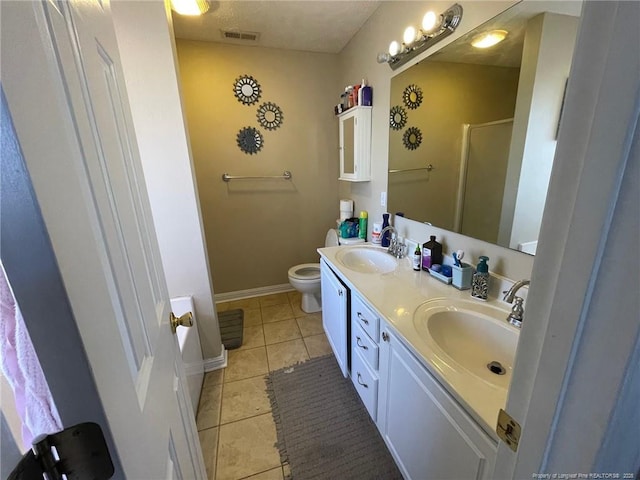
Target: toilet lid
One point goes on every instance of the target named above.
(305, 271)
(331, 240)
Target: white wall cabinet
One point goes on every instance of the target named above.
(335, 298)
(355, 144)
(427, 432)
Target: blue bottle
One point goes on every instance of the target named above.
(386, 237)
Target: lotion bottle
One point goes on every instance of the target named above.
(417, 258)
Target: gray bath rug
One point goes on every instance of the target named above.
(324, 431)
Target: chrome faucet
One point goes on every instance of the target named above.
(395, 248)
(517, 311)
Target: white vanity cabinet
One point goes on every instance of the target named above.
(364, 353)
(355, 144)
(335, 301)
(426, 430)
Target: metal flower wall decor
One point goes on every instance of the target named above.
(412, 138)
(269, 115)
(250, 140)
(412, 96)
(247, 89)
(397, 117)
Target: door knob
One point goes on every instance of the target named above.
(185, 320)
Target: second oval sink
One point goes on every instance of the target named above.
(475, 336)
(367, 259)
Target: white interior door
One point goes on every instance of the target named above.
(64, 87)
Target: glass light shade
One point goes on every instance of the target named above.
(489, 39)
(409, 35)
(394, 48)
(190, 7)
(429, 22)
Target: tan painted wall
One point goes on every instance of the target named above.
(257, 229)
(453, 94)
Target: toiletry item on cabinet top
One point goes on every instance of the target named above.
(386, 236)
(480, 283)
(365, 94)
(375, 233)
(362, 233)
(431, 253)
(417, 258)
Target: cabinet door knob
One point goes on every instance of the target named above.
(358, 340)
(385, 336)
(361, 382)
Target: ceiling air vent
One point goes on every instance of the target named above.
(240, 35)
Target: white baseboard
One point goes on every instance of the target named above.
(216, 363)
(253, 292)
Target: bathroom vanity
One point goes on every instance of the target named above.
(417, 352)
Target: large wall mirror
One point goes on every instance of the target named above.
(487, 123)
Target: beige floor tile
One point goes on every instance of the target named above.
(252, 337)
(297, 309)
(275, 313)
(243, 399)
(209, 407)
(222, 306)
(245, 303)
(294, 297)
(317, 345)
(209, 445)
(282, 331)
(286, 470)
(286, 354)
(274, 299)
(246, 363)
(310, 324)
(274, 474)
(252, 317)
(247, 447)
(216, 377)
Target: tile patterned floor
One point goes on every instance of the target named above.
(236, 428)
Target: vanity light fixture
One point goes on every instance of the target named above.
(434, 28)
(489, 39)
(190, 7)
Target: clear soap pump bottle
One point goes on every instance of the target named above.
(480, 282)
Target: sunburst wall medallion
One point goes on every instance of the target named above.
(247, 89)
(250, 140)
(412, 96)
(270, 115)
(397, 117)
(412, 138)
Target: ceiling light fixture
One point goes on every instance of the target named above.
(434, 28)
(489, 39)
(190, 7)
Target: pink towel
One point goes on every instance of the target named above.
(22, 369)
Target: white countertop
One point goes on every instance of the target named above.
(396, 296)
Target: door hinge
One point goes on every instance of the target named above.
(508, 430)
(74, 453)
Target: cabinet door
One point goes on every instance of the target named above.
(355, 144)
(334, 314)
(427, 432)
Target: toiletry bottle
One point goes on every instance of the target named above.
(417, 258)
(431, 253)
(367, 94)
(362, 232)
(386, 236)
(480, 282)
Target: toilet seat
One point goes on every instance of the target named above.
(305, 271)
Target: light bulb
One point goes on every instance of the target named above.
(409, 36)
(190, 7)
(489, 39)
(429, 22)
(394, 48)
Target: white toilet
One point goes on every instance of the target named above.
(305, 277)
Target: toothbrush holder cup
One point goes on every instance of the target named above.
(462, 276)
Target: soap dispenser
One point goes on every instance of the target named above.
(480, 283)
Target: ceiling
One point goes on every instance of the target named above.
(307, 25)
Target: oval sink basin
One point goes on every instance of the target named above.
(470, 335)
(365, 259)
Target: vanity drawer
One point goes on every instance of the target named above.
(364, 316)
(366, 383)
(364, 345)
